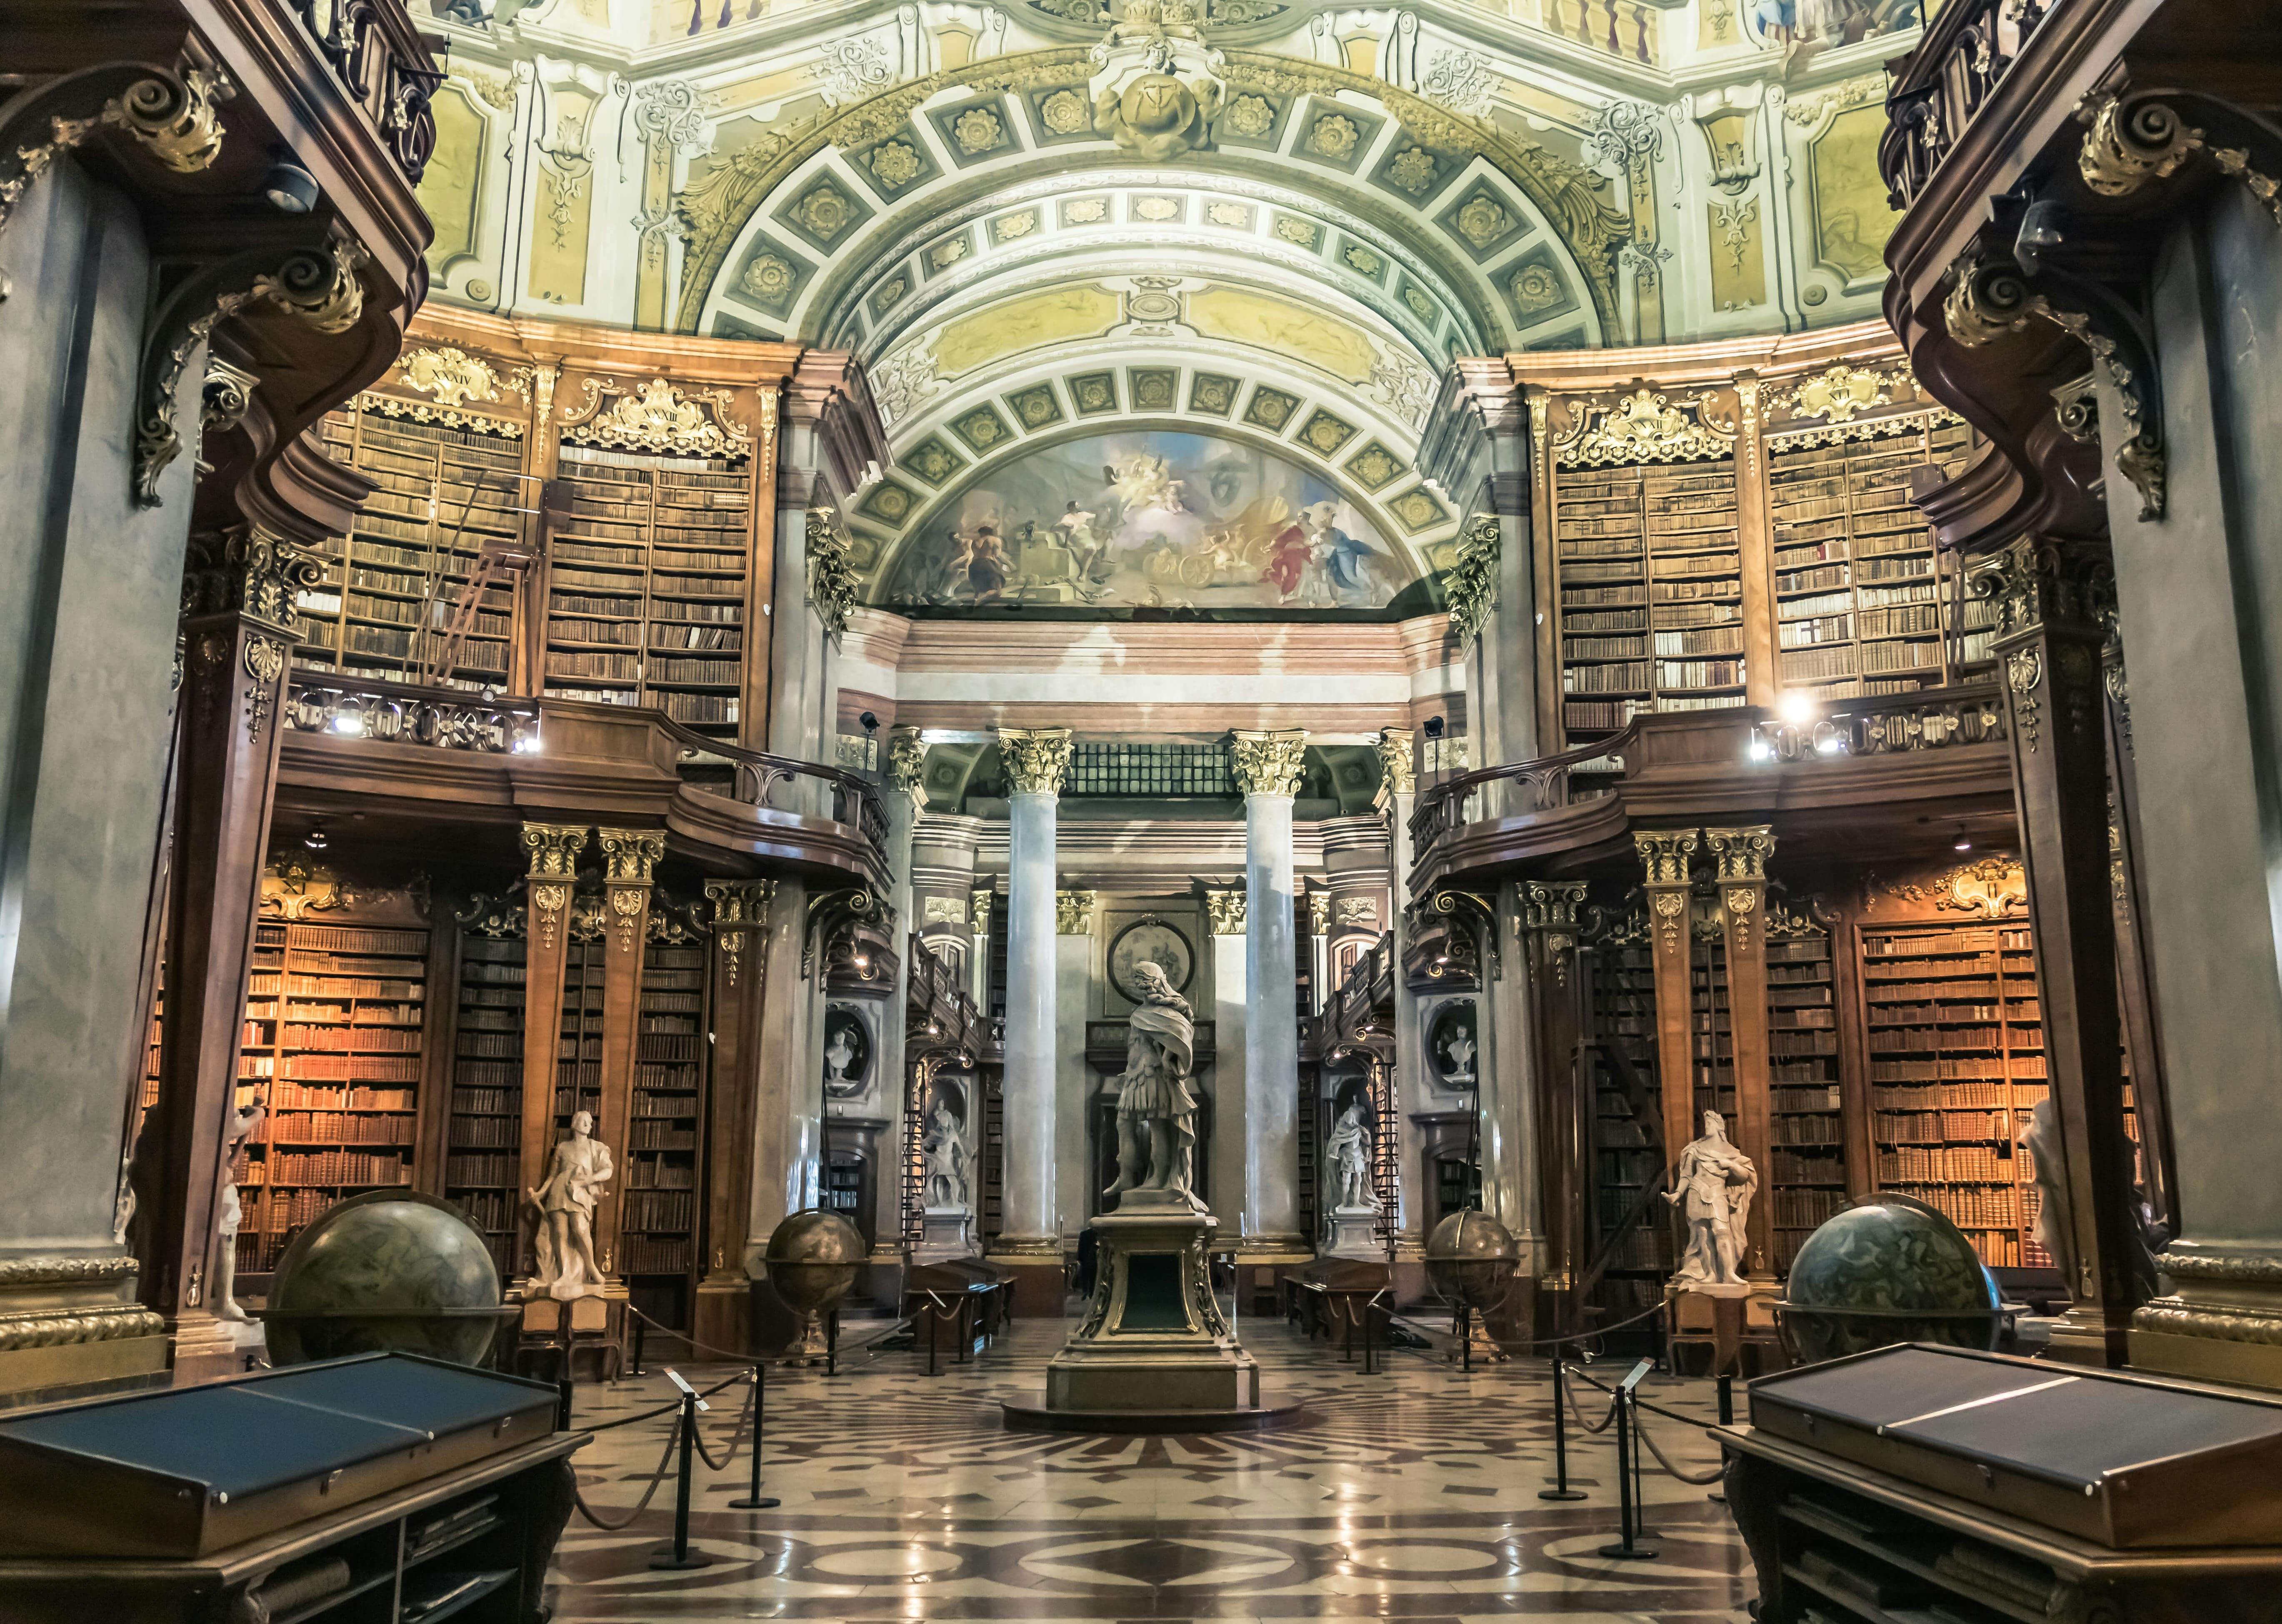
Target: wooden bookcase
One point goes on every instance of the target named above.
(1710, 1026)
(1621, 1016)
(446, 489)
(1859, 603)
(658, 1222)
(647, 583)
(482, 1146)
(344, 1050)
(579, 1050)
(1808, 1180)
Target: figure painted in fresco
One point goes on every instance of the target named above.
(1154, 518)
(1156, 1113)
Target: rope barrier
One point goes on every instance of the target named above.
(641, 1506)
(736, 1436)
(1662, 1459)
(742, 1359)
(663, 1410)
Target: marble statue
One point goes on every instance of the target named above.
(243, 1123)
(1156, 1113)
(566, 1235)
(2055, 1229)
(837, 1054)
(1350, 1151)
(1712, 1187)
(945, 1149)
(1459, 1049)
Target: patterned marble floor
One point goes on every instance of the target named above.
(1409, 1496)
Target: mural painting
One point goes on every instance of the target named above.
(1149, 518)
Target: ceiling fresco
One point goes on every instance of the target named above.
(1265, 225)
(1160, 519)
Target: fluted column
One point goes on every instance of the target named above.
(1399, 785)
(1029, 1226)
(1267, 766)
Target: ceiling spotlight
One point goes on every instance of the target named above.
(1797, 708)
(317, 839)
(1434, 727)
(868, 722)
(1964, 845)
(290, 188)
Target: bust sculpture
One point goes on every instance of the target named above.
(1156, 1113)
(945, 1150)
(837, 1054)
(1350, 1149)
(1712, 1187)
(1460, 1051)
(564, 1239)
(243, 1123)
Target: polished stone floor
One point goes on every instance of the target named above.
(1411, 1495)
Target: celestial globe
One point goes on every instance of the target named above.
(812, 1258)
(1470, 1257)
(387, 1271)
(1888, 1269)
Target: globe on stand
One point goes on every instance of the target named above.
(1889, 1268)
(387, 1271)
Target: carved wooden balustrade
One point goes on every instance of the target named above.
(1876, 753)
(636, 744)
(387, 66)
(1966, 53)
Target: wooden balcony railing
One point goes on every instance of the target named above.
(1882, 725)
(387, 66)
(1968, 49)
(455, 718)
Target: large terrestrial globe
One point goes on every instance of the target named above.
(387, 1271)
(1889, 1268)
(812, 1258)
(1470, 1257)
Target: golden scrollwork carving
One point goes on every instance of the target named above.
(739, 912)
(1664, 853)
(265, 663)
(657, 418)
(246, 571)
(450, 374)
(1644, 426)
(831, 580)
(1227, 911)
(1073, 913)
(1742, 903)
(549, 900)
(1742, 853)
(1469, 590)
(1396, 760)
(553, 848)
(323, 289)
(1842, 393)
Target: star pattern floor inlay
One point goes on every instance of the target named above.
(1409, 1496)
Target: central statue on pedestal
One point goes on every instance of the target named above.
(1156, 1113)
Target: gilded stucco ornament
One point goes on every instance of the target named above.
(1226, 910)
(656, 416)
(246, 571)
(1037, 758)
(1644, 426)
(1840, 393)
(1469, 590)
(1267, 763)
(1394, 746)
(831, 580)
(450, 374)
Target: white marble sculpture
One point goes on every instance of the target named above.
(1156, 1113)
(565, 1202)
(1350, 1152)
(1460, 1051)
(837, 1055)
(945, 1147)
(1713, 1188)
(242, 1125)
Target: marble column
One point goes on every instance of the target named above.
(1029, 1234)
(1508, 1086)
(1398, 786)
(1074, 916)
(1267, 767)
(787, 1124)
(1231, 1017)
(906, 801)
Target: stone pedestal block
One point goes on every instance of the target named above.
(1153, 1338)
(1354, 1234)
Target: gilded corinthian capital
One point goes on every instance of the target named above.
(1742, 853)
(1036, 758)
(1267, 763)
(632, 854)
(554, 849)
(1664, 853)
(1395, 759)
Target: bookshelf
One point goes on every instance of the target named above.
(1806, 1139)
(1859, 600)
(578, 1048)
(1650, 569)
(483, 1143)
(1956, 1062)
(1711, 1029)
(1622, 1012)
(658, 1223)
(646, 589)
(444, 489)
(341, 1051)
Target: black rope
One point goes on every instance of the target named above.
(641, 1506)
(737, 1434)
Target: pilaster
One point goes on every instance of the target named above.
(1665, 855)
(1565, 1153)
(1741, 856)
(739, 971)
(554, 849)
(2052, 600)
